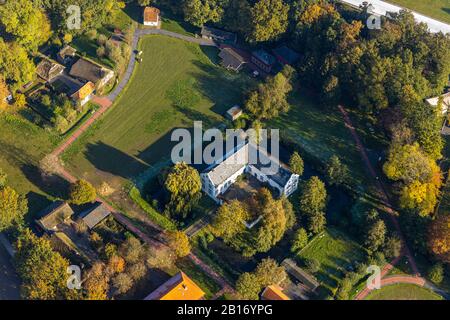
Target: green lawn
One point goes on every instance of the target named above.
(320, 132)
(22, 146)
(438, 9)
(175, 85)
(336, 252)
(403, 292)
(203, 280)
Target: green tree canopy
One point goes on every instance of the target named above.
(13, 207)
(26, 22)
(230, 219)
(296, 163)
(337, 173)
(82, 192)
(43, 271)
(184, 186)
(199, 12)
(270, 98)
(269, 20)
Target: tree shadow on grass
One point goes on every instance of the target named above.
(220, 86)
(36, 203)
(114, 161)
(53, 185)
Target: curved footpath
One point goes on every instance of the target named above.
(397, 279)
(105, 103)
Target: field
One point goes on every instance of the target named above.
(403, 292)
(22, 146)
(320, 132)
(336, 253)
(175, 85)
(438, 9)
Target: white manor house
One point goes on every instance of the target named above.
(218, 177)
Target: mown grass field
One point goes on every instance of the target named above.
(438, 9)
(175, 85)
(22, 146)
(336, 253)
(321, 133)
(403, 292)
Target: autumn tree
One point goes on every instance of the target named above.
(16, 67)
(273, 222)
(13, 207)
(230, 220)
(42, 270)
(96, 282)
(132, 250)
(270, 97)
(28, 24)
(296, 163)
(122, 283)
(337, 173)
(439, 237)
(178, 241)
(419, 175)
(184, 187)
(269, 19)
(82, 192)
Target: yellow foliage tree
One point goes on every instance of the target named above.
(179, 242)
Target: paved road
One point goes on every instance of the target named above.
(9, 280)
(381, 7)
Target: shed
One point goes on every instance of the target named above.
(218, 35)
(301, 275)
(96, 214)
(231, 59)
(234, 113)
(263, 60)
(57, 213)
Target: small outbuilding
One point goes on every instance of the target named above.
(56, 214)
(218, 35)
(66, 55)
(263, 60)
(286, 55)
(234, 113)
(231, 59)
(87, 70)
(152, 17)
(93, 216)
(443, 100)
(48, 70)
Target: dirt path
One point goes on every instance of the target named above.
(416, 279)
